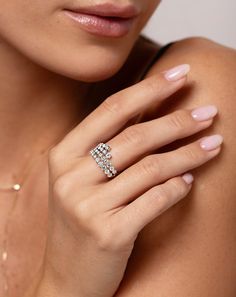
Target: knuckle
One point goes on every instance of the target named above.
(179, 120)
(156, 86)
(112, 105)
(178, 186)
(106, 239)
(133, 135)
(57, 159)
(60, 187)
(104, 242)
(160, 194)
(150, 165)
(151, 85)
(54, 154)
(193, 156)
(111, 237)
(83, 211)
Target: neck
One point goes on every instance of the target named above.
(37, 108)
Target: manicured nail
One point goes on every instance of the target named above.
(204, 113)
(177, 73)
(188, 178)
(211, 142)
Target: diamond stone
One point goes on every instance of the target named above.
(16, 187)
(108, 155)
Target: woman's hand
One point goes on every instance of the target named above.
(94, 221)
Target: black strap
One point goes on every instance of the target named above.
(158, 54)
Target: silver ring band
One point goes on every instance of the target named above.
(101, 154)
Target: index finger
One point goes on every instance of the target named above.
(114, 112)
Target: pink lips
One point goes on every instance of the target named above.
(104, 19)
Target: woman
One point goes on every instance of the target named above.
(76, 74)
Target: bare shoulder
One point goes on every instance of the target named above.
(191, 249)
(212, 64)
(197, 50)
(212, 80)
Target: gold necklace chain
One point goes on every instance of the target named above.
(16, 188)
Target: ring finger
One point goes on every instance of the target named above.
(158, 168)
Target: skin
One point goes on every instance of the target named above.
(23, 59)
(190, 249)
(46, 78)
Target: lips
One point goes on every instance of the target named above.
(104, 19)
(108, 10)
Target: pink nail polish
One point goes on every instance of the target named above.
(177, 73)
(204, 113)
(211, 142)
(188, 178)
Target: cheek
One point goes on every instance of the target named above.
(42, 33)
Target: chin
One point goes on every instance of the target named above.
(60, 46)
(93, 67)
(91, 74)
(73, 54)
(92, 48)
(94, 73)
(83, 63)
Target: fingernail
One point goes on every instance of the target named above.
(204, 113)
(188, 178)
(211, 142)
(177, 73)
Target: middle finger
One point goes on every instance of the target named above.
(114, 112)
(141, 139)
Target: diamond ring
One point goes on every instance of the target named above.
(101, 154)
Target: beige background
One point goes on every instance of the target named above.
(175, 19)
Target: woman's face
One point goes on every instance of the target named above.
(84, 50)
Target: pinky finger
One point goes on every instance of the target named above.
(136, 215)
